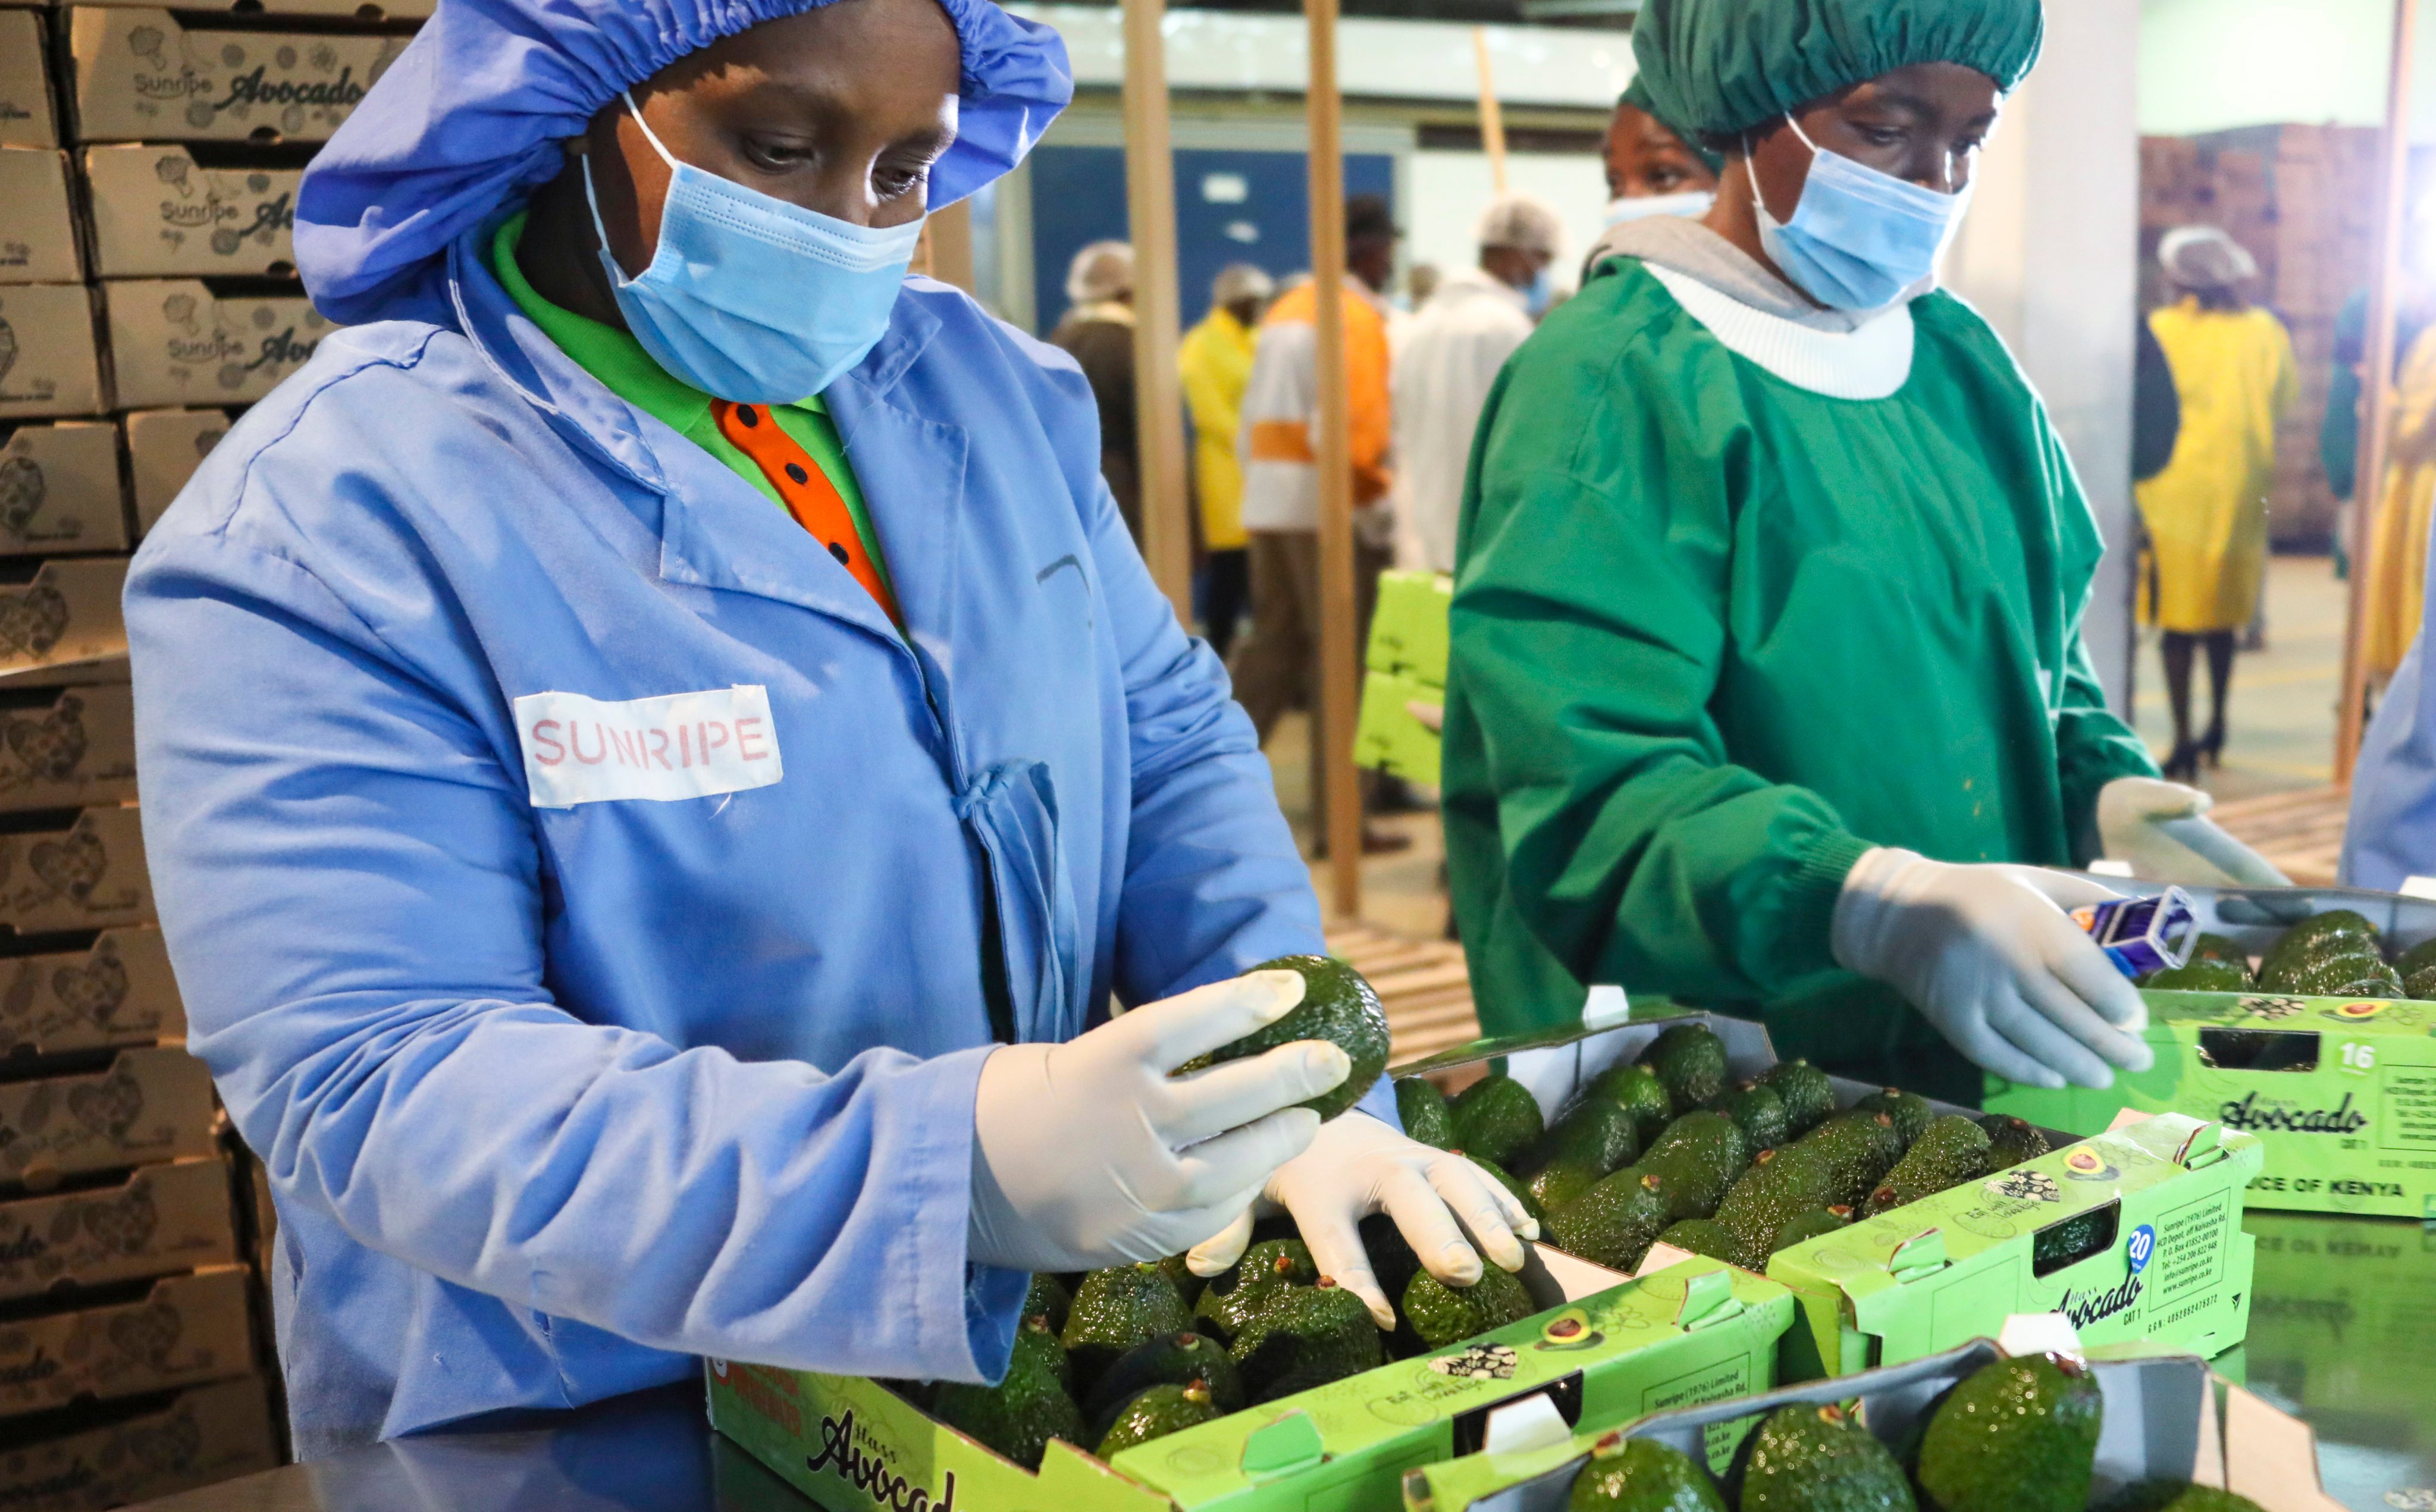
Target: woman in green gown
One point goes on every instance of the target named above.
(1767, 686)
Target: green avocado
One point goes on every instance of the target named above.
(1424, 1109)
(1021, 1413)
(1859, 1149)
(1954, 1151)
(1780, 1185)
(1443, 1314)
(1759, 1113)
(2216, 948)
(2334, 975)
(1643, 1475)
(1157, 1411)
(1690, 1061)
(1699, 1156)
(1115, 1309)
(2068, 1242)
(1613, 1224)
(1816, 1459)
(1507, 1178)
(1808, 1097)
(2312, 934)
(2177, 1496)
(1910, 1111)
(1393, 1264)
(1705, 1236)
(1046, 1297)
(1805, 1227)
(2011, 1141)
(1560, 1181)
(2200, 976)
(1306, 1336)
(1233, 1295)
(1337, 1006)
(1169, 1359)
(2418, 958)
(2019, 1435)
(1638, 1091)
(1594, 1132)
(2421, 985)
(1496, 1119)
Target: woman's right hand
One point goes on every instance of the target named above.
(1987, 954)
(1092, 1152)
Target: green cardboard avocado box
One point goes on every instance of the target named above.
(1408, 628)
(2341, 1094)
(1700, 1331)
(1389, 736)
(2133, 1234)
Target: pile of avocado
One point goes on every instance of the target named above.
(2018, 1436)
(2334, 954)
(1668, 1148)
(1119, 1356)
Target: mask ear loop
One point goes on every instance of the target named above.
(1758, 202)
(591, 197)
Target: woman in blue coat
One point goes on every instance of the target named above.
(659, 752)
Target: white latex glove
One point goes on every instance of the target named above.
(1986, 954)
(2157, 827)
(1359, 1166)
(1089, 1153)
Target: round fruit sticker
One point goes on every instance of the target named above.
(2139, 1247)
(2085, 1164)
(2360, 1009)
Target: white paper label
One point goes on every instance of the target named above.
(682, 745)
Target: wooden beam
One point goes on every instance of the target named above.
(1492, 120)
(1159, 389)
(2376, 383)
(1339, 658)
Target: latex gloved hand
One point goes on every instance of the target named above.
(1088, 1153)
(2157, 827)
(1986, 954)
(1359, 1166)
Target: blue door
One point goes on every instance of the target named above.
(1230, 207)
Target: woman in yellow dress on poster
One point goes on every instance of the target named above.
(2206, 512)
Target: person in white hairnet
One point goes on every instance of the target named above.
(1098, 332)
(1476, 319)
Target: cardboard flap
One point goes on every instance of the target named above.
(2270, 1458)
(2154, 1414)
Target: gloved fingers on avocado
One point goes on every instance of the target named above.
(1214, 1099)
(1335, 1005)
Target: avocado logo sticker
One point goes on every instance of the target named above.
(2356, 1012)
(1569, 1329)
(2086, 1164)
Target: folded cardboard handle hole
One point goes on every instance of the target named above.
(2259, 1049)
(2067, 1241)
(1472, 1427)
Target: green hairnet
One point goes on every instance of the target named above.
(1637, 96)
(1723, 66)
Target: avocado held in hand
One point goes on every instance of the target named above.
(1337, 1006)
(1444, 1314)
(2019, 1435)
(1640, 1475)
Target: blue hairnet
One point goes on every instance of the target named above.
(473, 111)
(1723, 66)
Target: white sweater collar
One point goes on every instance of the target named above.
(1869, 363)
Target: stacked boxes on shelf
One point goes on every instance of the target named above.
(150, 159)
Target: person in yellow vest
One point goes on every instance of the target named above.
(1278, 668)
(2206, 512)
(2398, 550)
(1216, 362)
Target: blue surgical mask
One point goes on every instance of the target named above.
(1859, 237)
(1539, 294)
(1693, 204)
(752, 299)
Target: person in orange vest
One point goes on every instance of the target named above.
(1278, 667)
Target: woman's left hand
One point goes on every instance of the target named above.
(1359, 1166)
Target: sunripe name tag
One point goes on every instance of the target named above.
(681, 745)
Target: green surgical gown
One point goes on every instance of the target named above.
(1715, 636)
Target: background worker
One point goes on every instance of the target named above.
(2206, 512)
(1651, 170)
(1279, 666)
(1097, 330)
(1767, 654)
(786, 1041)
(1471, 325)
(1216, 362)
(2397, 547)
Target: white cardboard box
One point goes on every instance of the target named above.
(68, 616)
(200, 1437)
(141, 75)
(59, 489)
(148, 1105)
(49, 362)
(37, 235)
(185, 1331)
(164, 449)
(151, 1221)
(75, 750)
(26, 116)
(157, 214)
(116, 994)
(173, 342)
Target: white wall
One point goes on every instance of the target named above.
(2049, 254)
(1451, 189)
(2206, 65)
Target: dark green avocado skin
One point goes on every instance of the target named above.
(1337, 1006)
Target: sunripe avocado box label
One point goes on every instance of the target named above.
(2341, 1093)
(1700, 1331)
(2133, 1234)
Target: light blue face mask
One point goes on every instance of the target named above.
(1859, 237)
(1689, 202)
(1539, 294)
(749, 298)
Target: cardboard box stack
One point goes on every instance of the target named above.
(150, 159)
